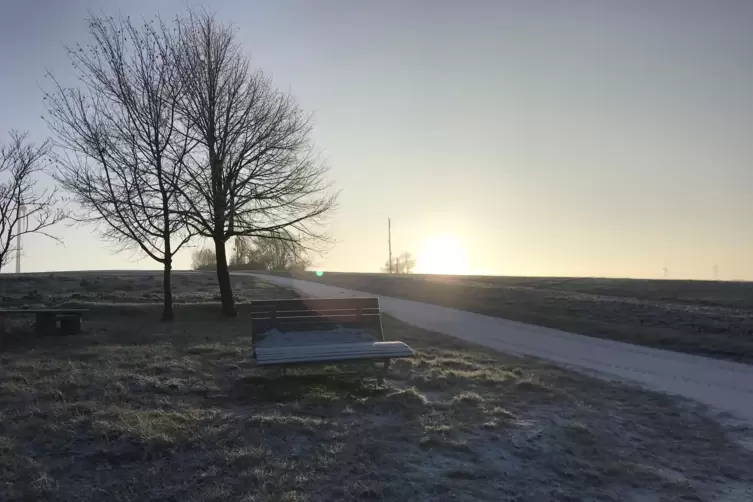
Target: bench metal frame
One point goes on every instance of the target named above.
(322, 331)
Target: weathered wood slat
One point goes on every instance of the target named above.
(296, 338)
(325, 360)
(309, 304)
(311, 323)
(315, 314)
(268, 312)
(346, 317)
(340, 347)
(292, 355)
(362, 354)
(294, 358)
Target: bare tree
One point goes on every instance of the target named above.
(203, 259)
(24, 207)
(281, 254)
(242, 251)
(407, 263)
(403, 264)
(254, 172)
(269, 254)
(123, 153)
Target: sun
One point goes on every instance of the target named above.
(442, 254)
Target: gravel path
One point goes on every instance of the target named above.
(726, 386)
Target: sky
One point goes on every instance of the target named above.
(563, 138)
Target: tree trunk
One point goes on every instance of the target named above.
(223, 278)
(167, 311)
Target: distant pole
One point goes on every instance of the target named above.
(716, 272)
(18, 254)
(21, 221)
(389, 241)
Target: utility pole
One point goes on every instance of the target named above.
(716, 272)
(21, 222)
(389, 241)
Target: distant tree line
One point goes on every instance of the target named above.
(168, 135)
(402, 264)
(257, 254)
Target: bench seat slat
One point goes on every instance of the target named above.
(327, 359)
(347, 347)
(370, 347)
(321, 353)
(293, 357)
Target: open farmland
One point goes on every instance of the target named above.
(136, 409)
(699, 317)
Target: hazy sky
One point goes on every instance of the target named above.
(596, 138)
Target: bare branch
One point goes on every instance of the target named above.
(24, 207)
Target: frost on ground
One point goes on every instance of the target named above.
(64, 288)
(135, 409)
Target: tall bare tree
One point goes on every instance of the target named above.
(25, 208)
(254, 173)
(242, 251)
(275, 254)
(203, 259)
(407, 263)
(124, 153)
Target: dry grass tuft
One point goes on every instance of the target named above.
(134, 409)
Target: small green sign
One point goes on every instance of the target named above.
(319, 273)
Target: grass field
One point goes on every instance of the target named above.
(135, 409)
(699, 317)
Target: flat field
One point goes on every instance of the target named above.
(136, 409)
(714, 319)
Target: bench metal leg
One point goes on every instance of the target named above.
(376, 374)
(380, 376)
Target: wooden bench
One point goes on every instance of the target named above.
(47, 319)
(321, 330)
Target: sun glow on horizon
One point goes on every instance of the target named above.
(442, 254)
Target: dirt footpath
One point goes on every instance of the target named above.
(706, 318)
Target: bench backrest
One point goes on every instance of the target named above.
(311, 321)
